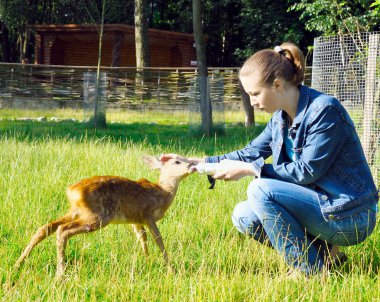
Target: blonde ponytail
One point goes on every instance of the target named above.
(295, 55)
(286, 62)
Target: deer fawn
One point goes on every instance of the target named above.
(100, 200)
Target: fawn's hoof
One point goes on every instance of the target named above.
(60, 274)
(171, 270)
(17, 265)
(60, 277)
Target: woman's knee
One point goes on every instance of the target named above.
(244, 219)
(259, 186)
(258, 193)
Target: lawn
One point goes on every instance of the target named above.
(213, 263)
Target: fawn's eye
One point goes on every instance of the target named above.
(177, 162)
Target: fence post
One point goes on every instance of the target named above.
(158, 85)
(51, 85)
(371, 103)
(12, 71)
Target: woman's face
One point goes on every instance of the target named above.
(262, 96)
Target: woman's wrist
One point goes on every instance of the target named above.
(251, 171)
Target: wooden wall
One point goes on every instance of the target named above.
(81, 48)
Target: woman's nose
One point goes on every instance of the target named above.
(253, 101)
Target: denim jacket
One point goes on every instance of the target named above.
(328, 155)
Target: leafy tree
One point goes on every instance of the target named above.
(266, 23)
(329, 17)
(221, 28)
(234, 29)
(173, 15)
(237, 28)
(15, 15)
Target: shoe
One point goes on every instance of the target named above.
(337, 259)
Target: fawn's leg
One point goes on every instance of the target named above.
(141, 236)
(40, 235)
(68, 230)
(158, 239)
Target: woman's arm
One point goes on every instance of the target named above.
(256, 149)
(251, 157)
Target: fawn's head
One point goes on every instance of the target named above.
(173, 168)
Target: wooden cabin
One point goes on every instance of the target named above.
(77, 45)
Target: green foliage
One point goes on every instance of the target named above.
(376, 6)
(173, 15)
(233, 29)
(237, 28)
(329, 17)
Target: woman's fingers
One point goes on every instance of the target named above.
(192, 169)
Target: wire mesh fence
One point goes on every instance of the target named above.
(348, 67)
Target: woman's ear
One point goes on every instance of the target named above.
(277, 83)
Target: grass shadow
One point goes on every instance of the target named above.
(162, 135)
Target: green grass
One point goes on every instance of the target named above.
(213, 263)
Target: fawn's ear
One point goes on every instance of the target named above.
(152, 162)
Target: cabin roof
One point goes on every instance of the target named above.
(109, 28)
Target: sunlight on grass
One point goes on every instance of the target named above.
(126, 116)
(213, 262)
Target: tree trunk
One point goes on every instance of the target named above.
(248, 108)
(99, 113)
(206, 109)
(5, 48)
(26, 47)
(116, 60)
(116, 51)
(141, 45)
(141, 35)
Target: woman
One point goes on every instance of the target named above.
(319, 191)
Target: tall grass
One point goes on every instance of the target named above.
(213, 263)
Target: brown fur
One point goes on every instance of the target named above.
(97, 201)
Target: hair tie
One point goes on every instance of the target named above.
(280, 50)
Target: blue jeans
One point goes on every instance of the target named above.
(289, 218)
